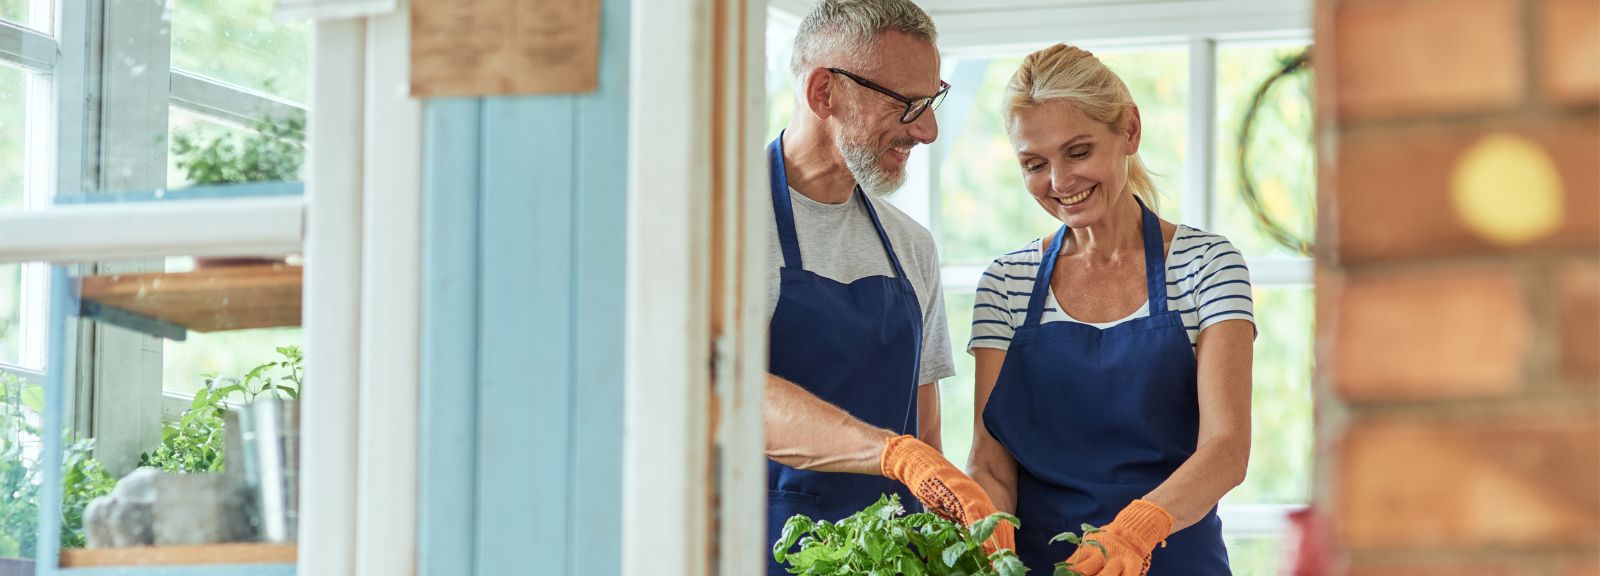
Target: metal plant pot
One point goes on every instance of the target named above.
(270, 434)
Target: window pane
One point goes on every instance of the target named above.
(780, 84)
(1256, 555)
(1281, 415)
(1281, 160)
(202, 150)
(1159, 81)
(13, 163)
(13, 135)
(955, 393)
(14, 10)
(11, 314)
(238, 42)
(984, 209)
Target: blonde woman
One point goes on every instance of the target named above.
(1113, 355)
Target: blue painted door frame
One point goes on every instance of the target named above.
(524, 218)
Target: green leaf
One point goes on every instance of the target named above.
(985, 527)
(1006, 563)
(952, 554)
(1065, 537)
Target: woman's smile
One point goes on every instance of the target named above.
(1075, 200)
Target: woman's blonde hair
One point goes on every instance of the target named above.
(1069, 73)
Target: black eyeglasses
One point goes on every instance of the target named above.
(914, 106)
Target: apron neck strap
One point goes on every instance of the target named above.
(883, 235)
(1041, 283)
(782, 211)
(1155, 260)
(1155, 268)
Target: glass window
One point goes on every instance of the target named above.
(956, 393)
(780, 84)
(1282, 427)
(239, 42)
(13, 162)
(1281, 415)
(202, 150)
(1159, 81)
(984, 210)
(13, 135)
(1256, 555)
(1282, 162)
(11, 314)
(15, 10)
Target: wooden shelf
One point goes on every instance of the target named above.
(233, 553)
(205, 300)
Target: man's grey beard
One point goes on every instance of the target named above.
(864, 166)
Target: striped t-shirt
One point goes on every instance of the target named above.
(1207, 282)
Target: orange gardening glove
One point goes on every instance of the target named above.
(1129, 539)
(942, 488)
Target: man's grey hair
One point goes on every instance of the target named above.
(836, 27)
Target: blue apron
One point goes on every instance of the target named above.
(857, 346)
(1098, 418)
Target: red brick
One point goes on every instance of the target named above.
(1508, 483)
(1393, 191)
(1578, 289)
(1412, 57)
(1430, 334)
(1569, 51)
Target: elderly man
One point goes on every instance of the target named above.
(858, 334)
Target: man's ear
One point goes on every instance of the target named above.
(1133, 128)
(819, 85)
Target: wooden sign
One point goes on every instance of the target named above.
(486, 47)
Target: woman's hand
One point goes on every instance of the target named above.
(1128, 541)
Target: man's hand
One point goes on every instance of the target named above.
(942, 488)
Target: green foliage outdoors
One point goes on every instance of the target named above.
(14, 10)
(272, 151)
(21, 475)
(241, 43)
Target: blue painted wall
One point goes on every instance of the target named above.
(523, 277)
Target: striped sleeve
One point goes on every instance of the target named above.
(991, 316)
(1222, 290)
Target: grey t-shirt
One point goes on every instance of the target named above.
(838, 242)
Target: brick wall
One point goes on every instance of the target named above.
(1458, 286)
